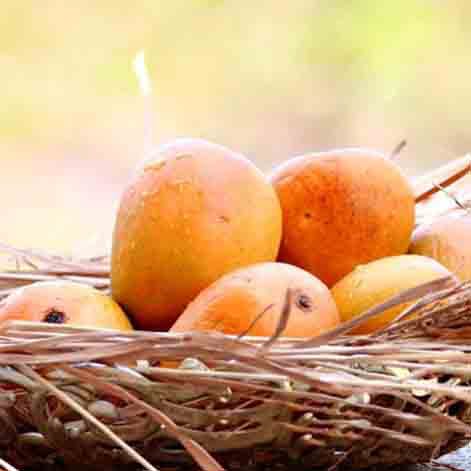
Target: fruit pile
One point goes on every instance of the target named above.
(204, 241)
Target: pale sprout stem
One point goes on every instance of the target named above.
(145, 87)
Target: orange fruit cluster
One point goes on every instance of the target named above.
(204, 240)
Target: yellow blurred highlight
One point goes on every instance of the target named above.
(270, 79)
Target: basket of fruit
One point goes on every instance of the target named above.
(319, 317)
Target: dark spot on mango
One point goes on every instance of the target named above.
(54, 316)
(304, 302)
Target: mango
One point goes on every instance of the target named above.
(195, 212)
(447, 239)
(64, 302)
(251, 301)
(343, 208)
(376, 282)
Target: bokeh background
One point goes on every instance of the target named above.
(269, 78)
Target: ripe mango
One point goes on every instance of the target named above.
(195, 212)
(343, 208)
(447, 240)
(376, 282)
(64, 302)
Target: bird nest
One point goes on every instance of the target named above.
(74, 396)
(99, 398)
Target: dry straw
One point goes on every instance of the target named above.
(78, 396)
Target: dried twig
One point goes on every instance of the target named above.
(426, 186)
(6, 466)
(398, 149)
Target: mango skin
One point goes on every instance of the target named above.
(343, 208)
(233, 304)
(376, 282)
(195, 212)
(64, 302)
(447, 239)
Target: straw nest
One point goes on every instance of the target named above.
(86, 396)
(79, 397)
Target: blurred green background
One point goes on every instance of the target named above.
(271, 79)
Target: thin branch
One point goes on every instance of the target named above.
(398, 149)
(425, 186)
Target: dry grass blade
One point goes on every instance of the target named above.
(53, 261)
(252, 324)
(446, 314)
(32, 266)
(404, 297)
(89, 417)
(283, 321)
(453, 197)
(422, 302)
(444, 176)
(436, 466)
(6, 466)
(398, 149)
